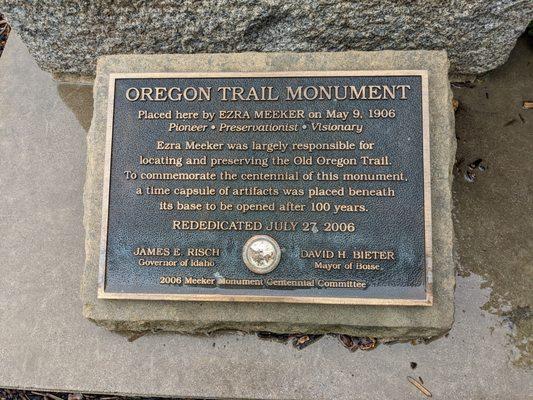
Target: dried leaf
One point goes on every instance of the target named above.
(301, 342)
(302, 339)
(5, 28)
(366, 343)
(455, 104)
(348, 342)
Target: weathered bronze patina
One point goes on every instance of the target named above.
(308, 187)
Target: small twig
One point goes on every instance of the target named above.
(47, 395)
(468, 85)
(510, 122)
(419, 386)
(528, 105)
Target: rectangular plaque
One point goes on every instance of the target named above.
(303, 187)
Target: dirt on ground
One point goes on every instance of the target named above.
(11, 394)
(493, 189)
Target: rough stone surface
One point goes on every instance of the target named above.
(66, 37)
(193, 317)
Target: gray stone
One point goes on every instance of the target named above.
(194, 317)
(66, 37)
(46, 344)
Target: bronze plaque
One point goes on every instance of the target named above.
(303, 187)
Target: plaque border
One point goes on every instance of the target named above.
(426, 160)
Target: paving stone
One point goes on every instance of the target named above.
(195, 317)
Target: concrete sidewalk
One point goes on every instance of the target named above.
(46, 344)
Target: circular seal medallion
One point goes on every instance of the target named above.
(261, 254)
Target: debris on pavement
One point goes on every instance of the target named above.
(419, 386)
(16, 394)
(5, 28)
(276, 337)
(299, 341)
(136, 335)
(470, 174)
(458, 85)
(475, 164)
(302, 341)
(47, 395)
(455, 104)
(353, 343)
